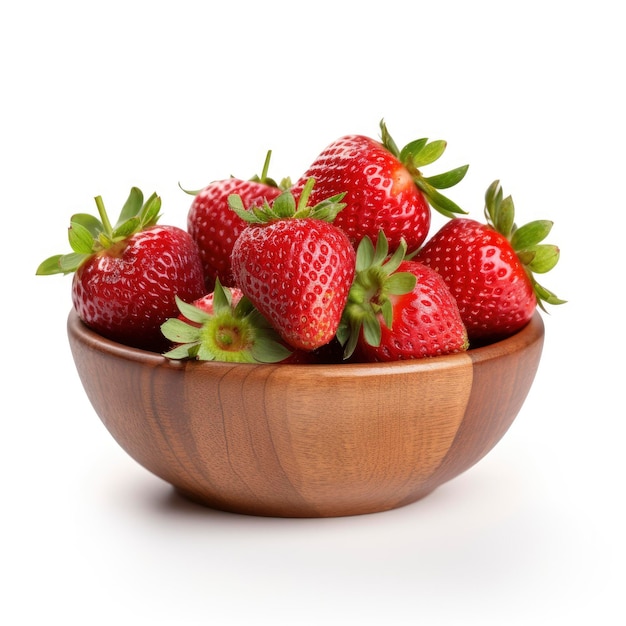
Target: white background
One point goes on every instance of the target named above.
(97, 97)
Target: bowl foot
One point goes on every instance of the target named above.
(280, 510)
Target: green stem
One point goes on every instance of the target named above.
(306, 192)
(108, 229)
(266, 166)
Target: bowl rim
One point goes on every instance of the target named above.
(530, 333)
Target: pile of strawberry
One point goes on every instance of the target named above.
(335, 267)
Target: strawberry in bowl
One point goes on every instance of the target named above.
(215, 228)
(126, 276)
(295, 265)
(398, 309)
(491, 267)
(384, 187)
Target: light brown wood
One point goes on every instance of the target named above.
(307, 440)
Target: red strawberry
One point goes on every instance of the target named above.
(223, 326)
(214, 227)
(385, 189)
(205, 303)
(126, 276)
(398, 309)
(234, 332)
(490, 268)
(295, 266)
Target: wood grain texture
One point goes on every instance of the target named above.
(306, 440)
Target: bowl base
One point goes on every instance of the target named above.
(281, 511)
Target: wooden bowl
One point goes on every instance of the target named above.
(307, 440)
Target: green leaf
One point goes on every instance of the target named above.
(50, 266)
(505, 217)
(371, 330)
(494, 194)
(61, 264)
(447, 179)
(364, 254)
(126, 229)
(178, 331)
(71, 262)
(268, 350)
(386, 311)
(284, 205)
(91, 223)
(343, 331)
(544, 259)
(261, 215)
(382, 248)
(105, 240)
(191, 312)
(236, 204)
(348, 335)
(409, 153)
(205, 353)
(81, 239)
(438, 201)
(387, 140)
(149, 214)
(531, 234)
(429, 153)
(493, 199)
(132, 206)
(396, 258)
(400, 283)
(184, 351)
(245, 308)
(325, 210)
(547, 296)
(526, 256)
(221, 297)
(190, 192)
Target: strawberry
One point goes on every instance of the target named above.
(214, 227)
(295, 266)
(234, 332)
(490, 267)
(398, 309)
(384, 187)
(222, 326)
(126, 276)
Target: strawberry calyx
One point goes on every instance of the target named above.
(418, 154)
(264, 179)
(375, 283)
(284, 206)
(89, 235)
(536, 257)
(235, 334)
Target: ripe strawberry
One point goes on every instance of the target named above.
(126, 276)
(295, 266)
(385, 189)
(234, 332)
(398, 309)
(223, 326)
(490, 267)
(214, 227)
